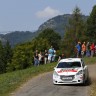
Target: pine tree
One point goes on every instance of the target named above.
(7, 54)
(2, 64)
(74, 32)
(91, 26)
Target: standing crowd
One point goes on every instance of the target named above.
(85, 49)
(48, 56)
(45, 57)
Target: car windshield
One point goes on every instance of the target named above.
(68, 65)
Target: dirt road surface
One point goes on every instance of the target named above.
(42, 86)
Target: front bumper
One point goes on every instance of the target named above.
(71, 79)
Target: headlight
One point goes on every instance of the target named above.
(55, 73)
(80, 72)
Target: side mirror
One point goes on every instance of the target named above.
(54, 68)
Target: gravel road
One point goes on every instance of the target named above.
(42, 86)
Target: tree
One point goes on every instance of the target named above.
(40, 43)
(23, 54)
(91, 26)
(74, 32)
(53, 37)
(2, 64)
(21, 59)
(7, 54)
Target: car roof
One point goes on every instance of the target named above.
(71, 60)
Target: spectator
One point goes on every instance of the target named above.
(40, 58)
(78, 47)
(36, 58)
(61, 57)
(54, 55)
(45, 57)
(88, 49)
(83, 52)
(50, 54)
(92, 47)
(95, 48)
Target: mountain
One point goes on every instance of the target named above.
(17, 37)
(3, 40)
(58, 23)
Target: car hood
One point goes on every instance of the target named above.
(67, 71)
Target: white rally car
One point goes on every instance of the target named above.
(70, 71)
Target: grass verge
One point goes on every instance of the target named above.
(93, 88)
(10, 81)
(90, 60)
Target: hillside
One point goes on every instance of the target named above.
(58, 23)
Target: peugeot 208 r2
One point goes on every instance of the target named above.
(70, 71)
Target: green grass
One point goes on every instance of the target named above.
(10, 81)
(90, 60)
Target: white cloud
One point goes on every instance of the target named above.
(47, 12)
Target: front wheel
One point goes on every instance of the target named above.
(84, 80)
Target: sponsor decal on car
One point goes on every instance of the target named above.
(67, 70)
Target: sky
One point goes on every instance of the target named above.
(28, 15)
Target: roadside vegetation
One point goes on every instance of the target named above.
(90, 60)
(10, 81)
